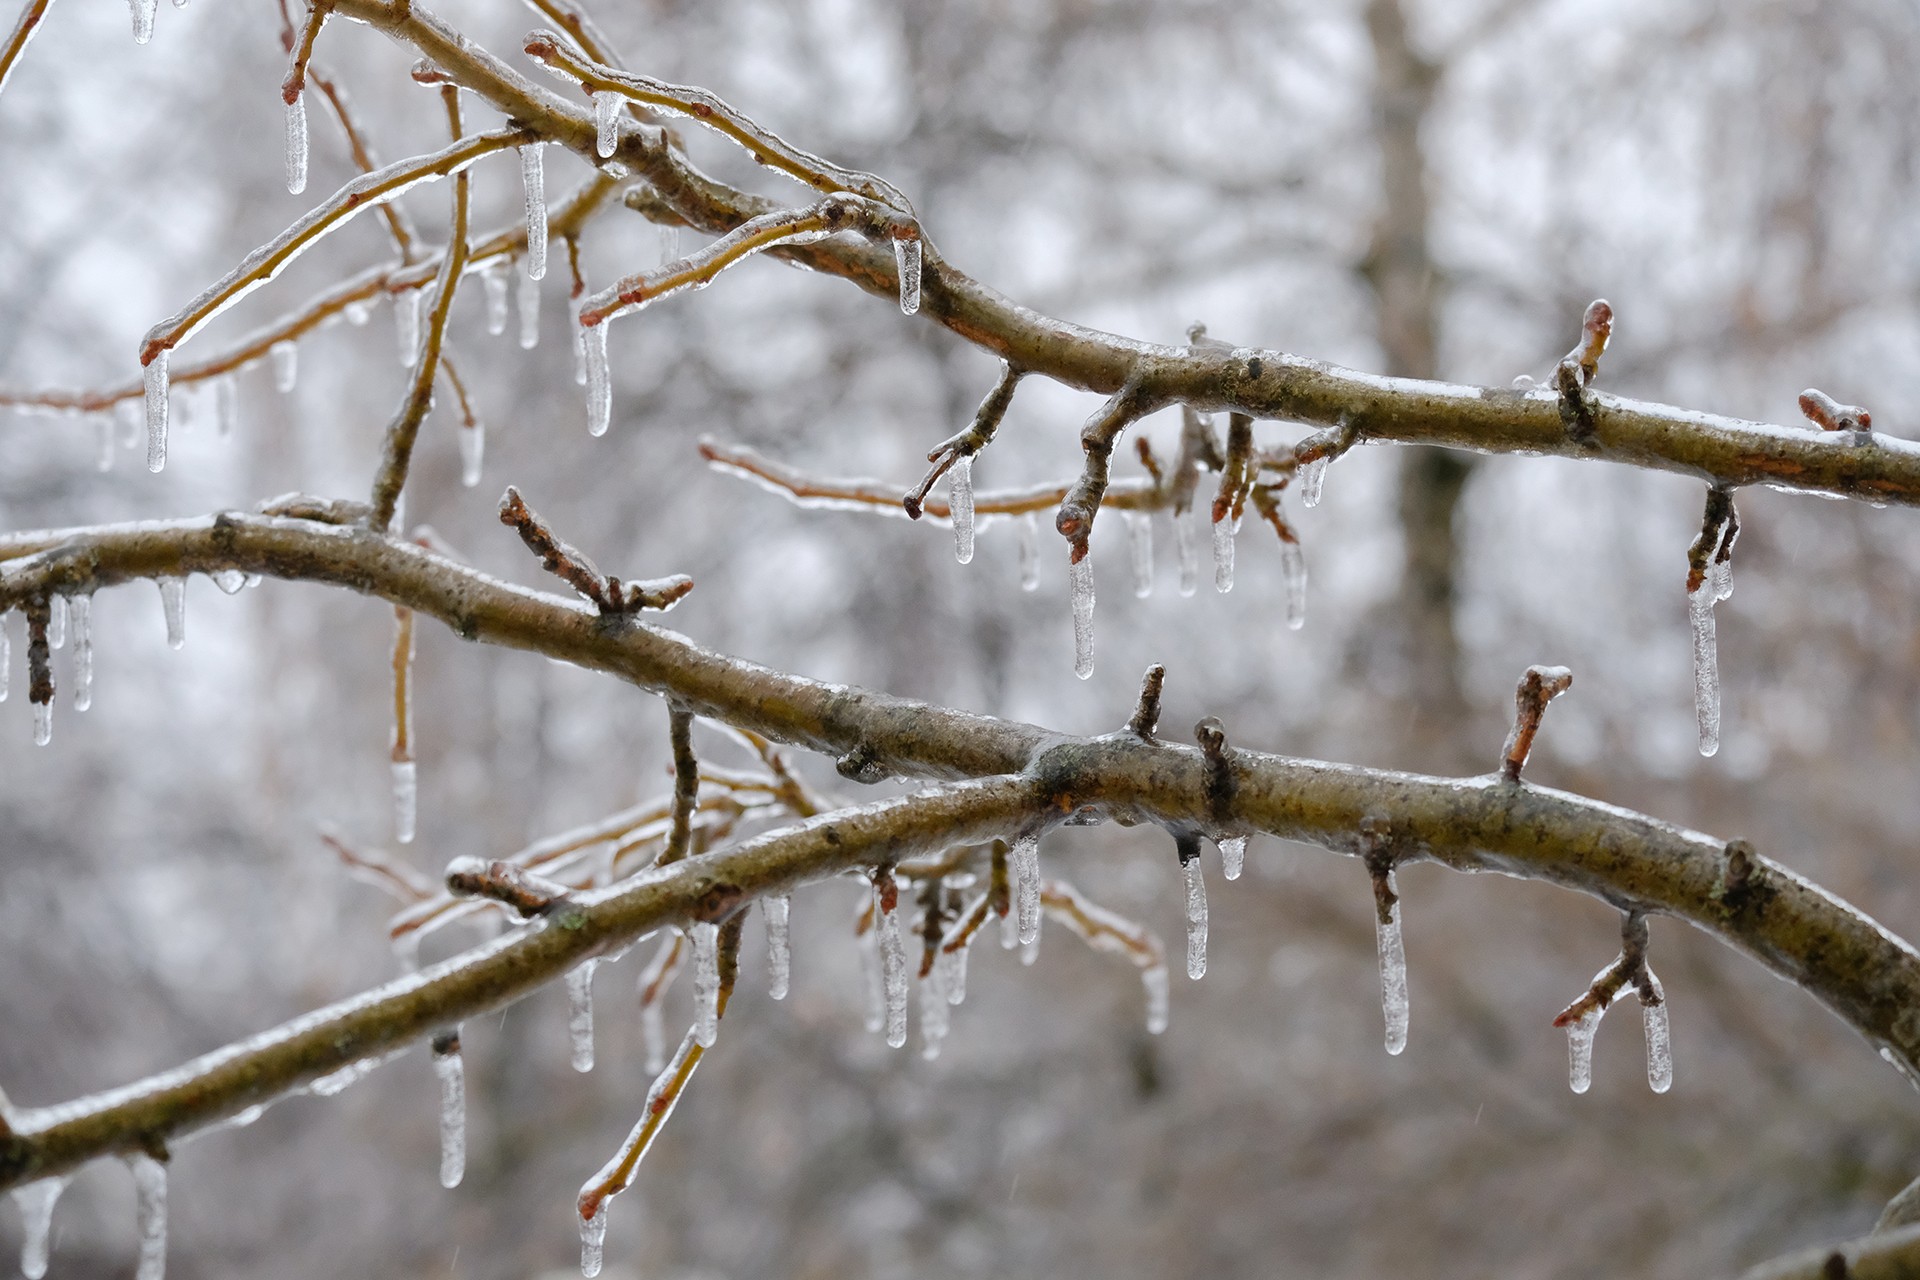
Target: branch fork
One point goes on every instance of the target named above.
(609, 594)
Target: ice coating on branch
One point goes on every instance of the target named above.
(226, 406)
(599, 378)
(1659, 1039)
(1140, 546)
(906, 258)
(1706, 667)
(143, 11)
(706, 983)
(893, 970)
(774, 908)
(406, 325)
(1080, 582)
(1196, 918)
(935, 1014)
(1233, 855)
(173, 603)
(150, 1214)
(103, 442)
(527, 297)
(1189, 554)
(473, 452)
(286, 366)
(1026, 885)
(1312, 476)
(534, 184)
(1223, 555)
(406, 799)
(1293, 568)
(606, 123)
(1029, 534)
(1393, 974)
(453, 1114)
(580, 1013)
(156, 383)
(297, 144)
(1580, 1034)
(960, 503)
(493, 279)
(56, 621)
(81, 608)
(593, 1240)
(35, 1201)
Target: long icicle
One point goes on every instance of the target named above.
(451, 1071)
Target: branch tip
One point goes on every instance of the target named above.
(1539, 686)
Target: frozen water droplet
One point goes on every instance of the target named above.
(226, 409)
(143, 11)
(231, 581)
(156, 383)
(42, 723)
(893, 971)
(1393, 975)
(774, 908)
(960, 503)
(1196, 918)
(150, 1215)
(1312, 476)
(103, 442)
(706, 983)
(1293, 568)
(1080, 580)
(453, 1115)
(1659, 1039)
(1233, 855)
(936, 1014)
(606, 122)
(1223, 555)
(82, 610)
(173, 603)
(1029, 534)
(1026, 885)
(286, 366)
(534, 186)
(1188, 553)
(297, 144)
(406, 326)
(473, 452)
(493, 279)
(35, 1201)
(527, 298)
(1580, 1050)
(580, 1013)
(593, 1240)
(406, 799)
(56, 621)
(906, 258)
(1140, 545)
(1706, 668)
(599, 377)
(1523, 383)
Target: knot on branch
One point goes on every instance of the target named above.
(1830, 415)
(860, 765)
(307, 506)
(608, 594)
(1539, 686)
(1742, 878)
(1579, 367)
(1146, 713)
(1212, 737)
(504, 882)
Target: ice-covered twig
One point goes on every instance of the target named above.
(1107, 931)
(1629, 971)
(40, 669)
(405, 791)
(1221, 785)
(399, 225)
(1377, 849)
(1236, 478)
(1829, 414)
(1074, 520)
(1317, 452)
(609, 594)
(396, 878)
(1577, 369)
(1710, 580)
(977, 436)
(651, 989)
(1146, 712)
(686, 782)
(23, 32)
(507, 882)
(1539, 686)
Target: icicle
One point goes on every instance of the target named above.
(6, 658)
(286, 366)
(593, 339)
(1030, 952)
(128, 416)
(1140, 544)
(36, 1201)
(534, 184)
(1154, 979)
(56, 621)
(1189, 554)
(580, 1013)
(1580, 1050)
(906, 257)
(1029, 532)
(893, 970)
(653, 1033)
(1659, 1039)
(527, 298)
(453, 1112)
(297, 144)
(103, 442)
(935, 1014)
(156, 379)
(779, 955)
(406, 325)
(143, 11)
(1312, 476)
(1706, 668)
(1196, 919)
(150, 1214)
(494, 281)
(669, 243)
(1080, 577)
(593, 1240)
(473, 452)
(173, 603)
(606, 122)
(42, 723)
(1293, 567)
(956, 979)
(226, 408)
(1223, 555)
(960, 504)
(706, 983)
(1233, 855)
(1026, 885)
(1393, 974)
(406, 800)
(81, 608)
(876, 1010)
